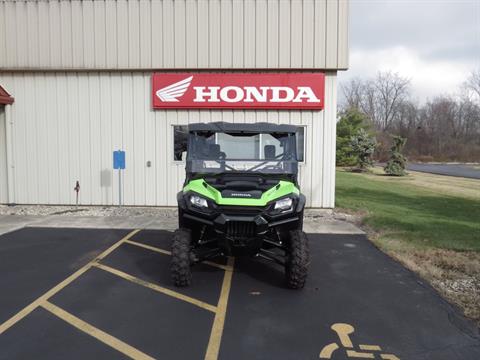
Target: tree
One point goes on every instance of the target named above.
(363, 146)
(391, 91)
(446, 127)
(353, 93)
(380, 98)
(350, 122)
(473, 83)
(397, 163)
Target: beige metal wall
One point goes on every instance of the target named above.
(167, 34)
(80, 74)
(65, 126)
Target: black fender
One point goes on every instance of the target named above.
(181, 200)
(301, 203)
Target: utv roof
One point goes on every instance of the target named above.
(239, 127)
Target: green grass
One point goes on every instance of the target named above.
(412, 214)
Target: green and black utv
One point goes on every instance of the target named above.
(241, 198)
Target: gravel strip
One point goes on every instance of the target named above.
(134, 211)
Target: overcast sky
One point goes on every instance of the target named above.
(435, 43)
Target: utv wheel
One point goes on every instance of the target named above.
(298, 259)
(181, 254)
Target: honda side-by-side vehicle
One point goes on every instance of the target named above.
(241, 198)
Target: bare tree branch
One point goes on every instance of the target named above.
(445, 128)
(473, 83)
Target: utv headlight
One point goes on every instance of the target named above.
(283, 205)
(198, 201)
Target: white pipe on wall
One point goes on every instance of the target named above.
(10, 165)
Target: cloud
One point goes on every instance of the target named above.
(431, 27)
(428, 77)
(434, 43)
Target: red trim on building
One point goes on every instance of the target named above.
(5, 98)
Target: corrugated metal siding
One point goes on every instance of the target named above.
(146, 34)
(66, 125)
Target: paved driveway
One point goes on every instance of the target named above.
(90, 293)
(459, 170)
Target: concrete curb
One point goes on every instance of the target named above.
(9, 223)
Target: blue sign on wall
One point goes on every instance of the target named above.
(119, 159)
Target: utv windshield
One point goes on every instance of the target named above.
(220, 152)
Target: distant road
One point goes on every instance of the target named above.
(460, 170)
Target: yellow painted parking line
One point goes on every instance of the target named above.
(166, 252)
(370, 347)
(344, 331)
(389, 357)
(218, 324)
(98, 334)
(157, 288)
(359, 355)
(328, 350)
(220, 266)
(32, 306)
(145, 246)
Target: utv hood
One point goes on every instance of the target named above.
(241, 198)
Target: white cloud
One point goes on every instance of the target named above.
(428, 77)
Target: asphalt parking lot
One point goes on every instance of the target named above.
(458, 170)
(107, 294)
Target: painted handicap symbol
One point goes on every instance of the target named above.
(364, 351)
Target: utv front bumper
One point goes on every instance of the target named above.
(238, 222)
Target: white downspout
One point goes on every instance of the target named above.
(9, 143)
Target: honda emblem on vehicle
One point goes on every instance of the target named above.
(238, 90)
(240, 195)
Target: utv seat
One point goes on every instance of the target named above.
(270, 152)
(214, 152)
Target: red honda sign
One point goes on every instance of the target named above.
(238, 91)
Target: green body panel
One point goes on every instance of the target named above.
(200, 187)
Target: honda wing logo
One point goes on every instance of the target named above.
(171, 93)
